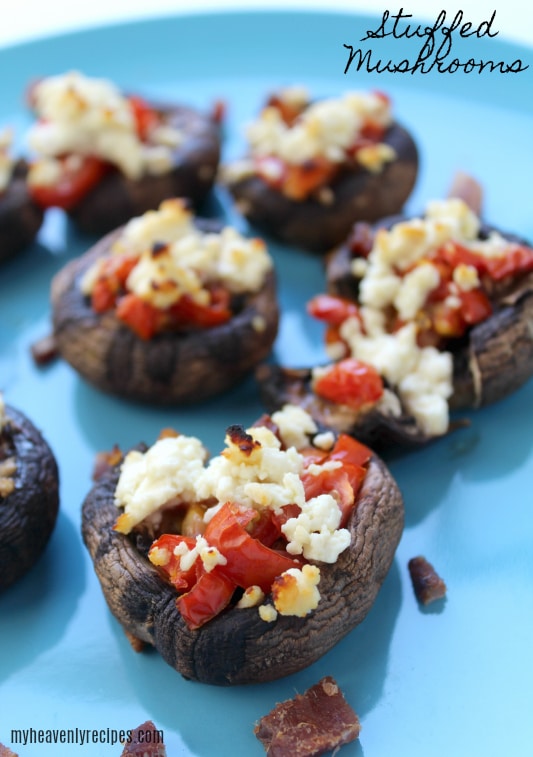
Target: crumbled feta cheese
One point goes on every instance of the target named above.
(295, 591)
(268, 613)
(265, 477)
(315, 532)
(295, 426)
(326, 128)
(166, 472)
(466, 277)
(209, 555)
(88, 116)
(176, 258)
(251, 597)
(7, 162)
(324, 441)
(414, 290)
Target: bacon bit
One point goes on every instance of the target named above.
(311, 724)
(145, 741)
(466, 188)
(427, 584)
(242, 440)
(44, 350)
(361, 240)
(136, 644)
(218, 111)
(5, 752)
(104, 461)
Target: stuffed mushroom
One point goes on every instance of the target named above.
(252, 566)
(29, 494)
(166, 309)
(20, 216)
(315, 168)
(105, 157)
(424, 316)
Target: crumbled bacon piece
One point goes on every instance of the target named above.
(5, 752)
(146, 741)
(104, 461)
(44, 350)
(427, 584)
(309, 725)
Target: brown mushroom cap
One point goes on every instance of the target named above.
(494, 360)
(28, 514)
(116, 198)
(170, 368)
(20, 217)
(357, 195)
(237, 647)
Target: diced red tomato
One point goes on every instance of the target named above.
(332, 309)
(475, 306)
(249, 563)
(207, 598)
(303, 179)
(142, 317)
(187, 312)
(350, 382)
(518, 260)
(183, 580)
(350, 450)
(146, 118)
(77, 179)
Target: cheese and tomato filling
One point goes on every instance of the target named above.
(421, 285)
(297, 145)
(164, 261)
(7, 162)
(84, 116)
(261, 489)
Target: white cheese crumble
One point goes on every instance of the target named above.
(7, 162)
(175, 258)
(315, 531)
(295, 591)
(166, 472)
(326, 128)
(251, 597)
(209, 555)
(295, 426)
(89, 116)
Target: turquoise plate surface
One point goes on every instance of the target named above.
(456, 679)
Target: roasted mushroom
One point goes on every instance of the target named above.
(106, 157)
(278, 626)
(165, 310)
(29, 494)
(447, 326)
(306, 182)
(20, 217)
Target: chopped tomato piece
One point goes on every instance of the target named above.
(111, 282)
(475, 306)
(181, 579)
(518, 260)
(146, 118)
(78, 177)
(350, 382)
(187, 312)
(207, 598)
(350, 450)
(142, 317)
(289, 110)
(249, 563)
(332, 309)
(302, 180)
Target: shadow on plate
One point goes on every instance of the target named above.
(358, 663)
(36, 610)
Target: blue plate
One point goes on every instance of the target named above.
(456, 679)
